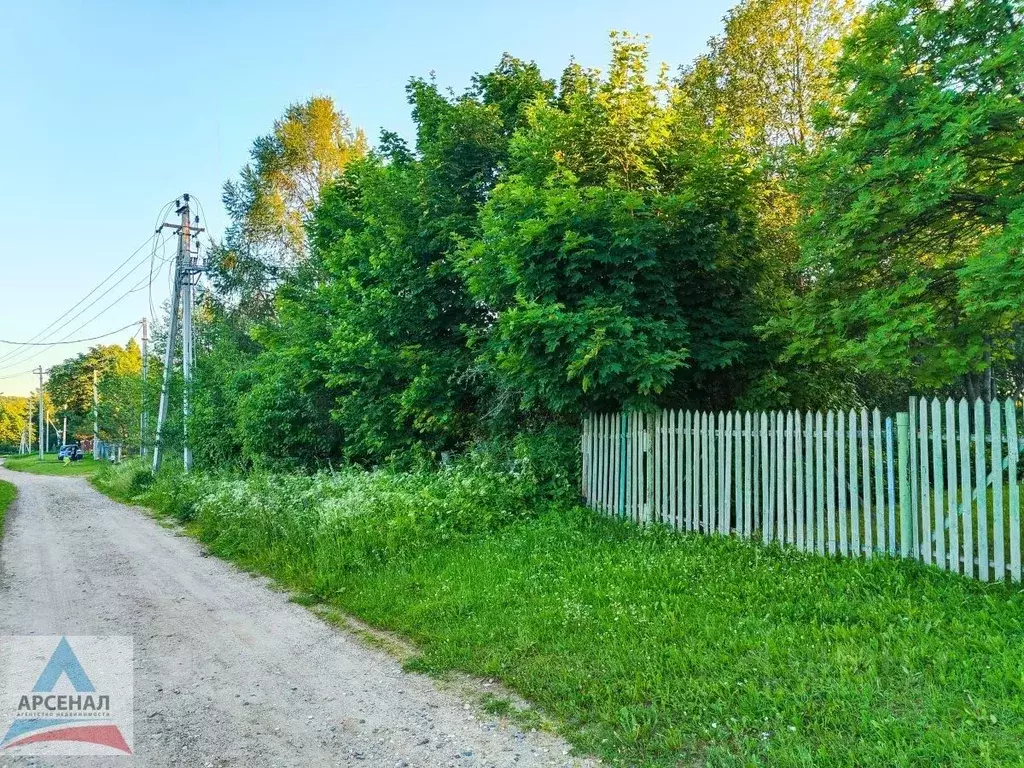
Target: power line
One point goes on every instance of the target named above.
(137, 287)
(14, 375)
(75, 341)
(18, 356)
(39, 336)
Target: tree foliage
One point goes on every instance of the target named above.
(13, 417)
(618, 255)
(822, 209)
(912, 245)
(276, 194)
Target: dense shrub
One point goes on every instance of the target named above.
(314, 529)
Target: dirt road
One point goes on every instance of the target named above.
(227, 671)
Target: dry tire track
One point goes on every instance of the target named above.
(227, 671)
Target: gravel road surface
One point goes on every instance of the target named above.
(228, 672)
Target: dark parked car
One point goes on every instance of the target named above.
(72, 452)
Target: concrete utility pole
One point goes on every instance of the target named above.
(42, 428)
(28, 429)
(95, 415)
(185, 239)
(145, 377)
(184, 276)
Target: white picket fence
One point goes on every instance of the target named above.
(937, 483)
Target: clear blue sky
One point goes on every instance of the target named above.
(110, 109)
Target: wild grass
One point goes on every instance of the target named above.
(648, 647)
(50, 466)
(7, 494)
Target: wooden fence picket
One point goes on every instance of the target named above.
(724, 508)
(830, 480)
(809, 503)
(876, 431)
(854, 489)
(926, 501)
(748, 477)
(819, 477)
(780, 469)
(914, 488)
(865, 458)
(998, 528)
(952, 518)
(890, 469)
(841, 483)
(765, 469)
(966, 501)
(938, 481)
(1014, 488)
(798, 477)
(981, 491)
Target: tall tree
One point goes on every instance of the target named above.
(764, 77)
(913, 250)
(276, 194)
(13, 417)
(618, 257)
(388, 236)
(71, 387)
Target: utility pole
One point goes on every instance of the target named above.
(186, 331)
(64, 434)
(95, 415)
(28, 429)
(186, 269)
(42, 428)
(145, 376)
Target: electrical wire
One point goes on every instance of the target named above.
(14, 375)
(41, 335)
(17, 357)
(73, 341)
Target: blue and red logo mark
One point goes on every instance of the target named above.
(45, 716)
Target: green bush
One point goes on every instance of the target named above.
(314, 529)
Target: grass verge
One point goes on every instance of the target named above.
(7, 494)
(649, 648)
(50, 466)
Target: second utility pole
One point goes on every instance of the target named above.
(145, 377)
(42, 428)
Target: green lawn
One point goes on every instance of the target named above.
(646, 647)
(50, 465)
(661, 649)
(7, 494)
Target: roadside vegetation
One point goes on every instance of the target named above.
(7, 494)
(648, 647)
(398, 341)
(50, 466)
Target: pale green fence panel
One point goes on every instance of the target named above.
(822, 482)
